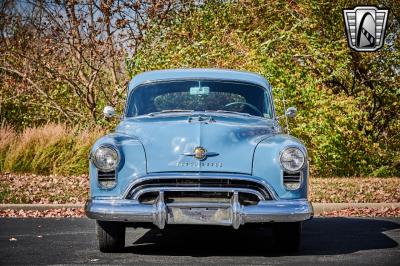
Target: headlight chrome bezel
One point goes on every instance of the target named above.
(96, 163)
(304, 162)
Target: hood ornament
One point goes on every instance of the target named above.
(200, 153)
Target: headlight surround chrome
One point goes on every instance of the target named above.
(292, 159)
(106, 158)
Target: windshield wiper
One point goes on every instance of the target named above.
(170, 111)
(228, 112)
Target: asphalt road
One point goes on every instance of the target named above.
(337, 241)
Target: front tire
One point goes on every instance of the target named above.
(110, 236)
(287, 236)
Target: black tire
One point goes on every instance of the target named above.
(110, 236)
(287, 236)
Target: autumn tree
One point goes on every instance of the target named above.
(66, 59)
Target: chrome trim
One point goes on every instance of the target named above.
(160, 213)
(107, 188)
(301, 180)
(110, 146)
(236, 211)
(288, 147)
(254, 179)
(140, 192)
(200, 204)
(205, 153)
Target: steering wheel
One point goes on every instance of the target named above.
(248, 104)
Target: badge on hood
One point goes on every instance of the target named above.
(200, 153)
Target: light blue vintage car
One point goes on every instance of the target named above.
(199, 147)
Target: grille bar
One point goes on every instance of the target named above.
(196, 184)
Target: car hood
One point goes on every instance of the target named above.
(169, 141)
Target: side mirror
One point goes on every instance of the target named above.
(108, 111)
(291, 112)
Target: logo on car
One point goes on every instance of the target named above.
(200, 153)
(365, 27)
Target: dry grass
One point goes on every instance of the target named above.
(41, 136)
(7, 134)
(48, 149)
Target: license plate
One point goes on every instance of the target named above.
(218, 216)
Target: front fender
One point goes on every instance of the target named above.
(131, 166)
(266, 164)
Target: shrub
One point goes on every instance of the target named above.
(348, 102)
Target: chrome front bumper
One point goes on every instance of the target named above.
(211, 213)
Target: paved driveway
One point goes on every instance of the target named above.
(339, 241)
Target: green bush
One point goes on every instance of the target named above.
(345, 116)
(348, 102)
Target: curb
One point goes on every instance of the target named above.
(326, 207)
(318, 207)
(39, 207)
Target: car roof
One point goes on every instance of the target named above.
(198, 73)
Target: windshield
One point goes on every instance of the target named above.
(199, 96)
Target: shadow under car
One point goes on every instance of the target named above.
(321, 236)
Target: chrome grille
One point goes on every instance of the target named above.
(245, 199)
(195, 184)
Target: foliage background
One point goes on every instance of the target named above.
(348, 102)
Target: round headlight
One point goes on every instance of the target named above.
(106, 158)
(292, 159)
